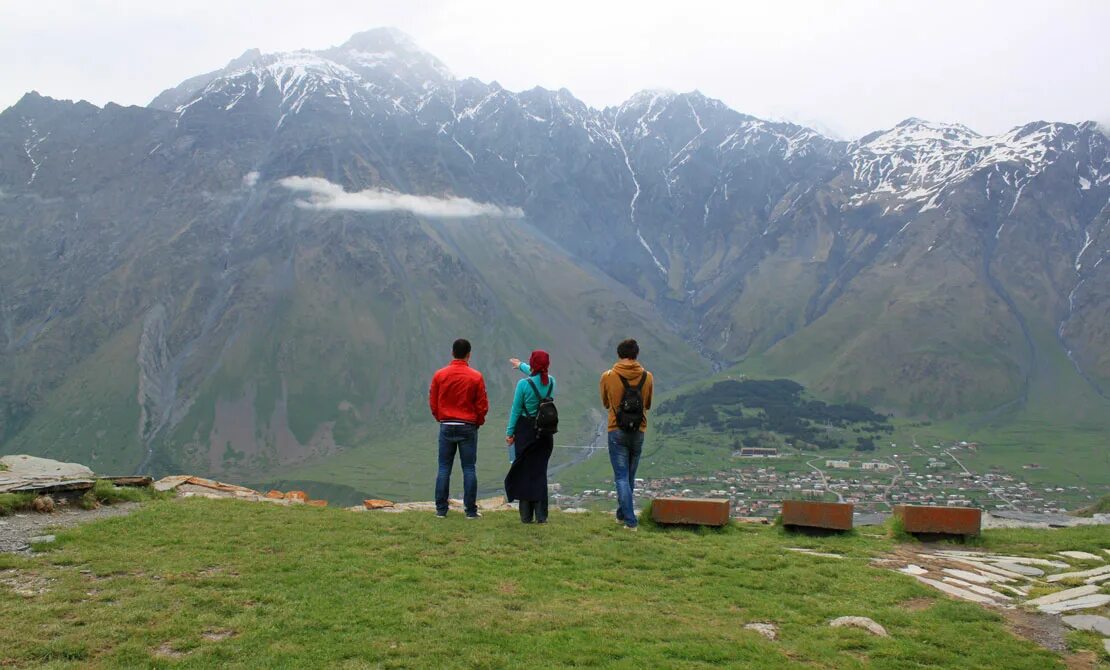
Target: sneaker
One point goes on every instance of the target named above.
(632, 528)
(441, 516)
(476, 515)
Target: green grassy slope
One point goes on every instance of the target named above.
(904, 348)
(267, 586)
(561, 309)
(347, 368)
(1057, 420)
(93, 416)
(316, 367)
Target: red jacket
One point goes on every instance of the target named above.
(458, 393)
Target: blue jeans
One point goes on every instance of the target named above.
(463, 438)
(624, 454)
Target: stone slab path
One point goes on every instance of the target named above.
(1005, 582)
(1093, 623)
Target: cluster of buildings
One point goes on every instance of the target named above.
(877, 466)
(873, 486)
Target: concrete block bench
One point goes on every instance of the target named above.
(939, 520)
(691, 511)
(812, 514)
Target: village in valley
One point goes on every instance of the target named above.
(761, 478)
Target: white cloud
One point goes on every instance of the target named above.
(250, 179)
(323, 194)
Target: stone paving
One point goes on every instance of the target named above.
(1005, 582)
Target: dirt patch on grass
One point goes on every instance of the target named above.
(1083, 660)
(507, 587)
(916, 604)
(26, 584)
(218, 635)
(1047, 631)
(217, 571)
(166, 650)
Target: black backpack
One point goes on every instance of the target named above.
(546, 420)
(630, 413)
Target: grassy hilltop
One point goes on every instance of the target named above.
(200, 584)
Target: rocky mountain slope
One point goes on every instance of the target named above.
(262, 267)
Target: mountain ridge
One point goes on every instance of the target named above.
(924, 268)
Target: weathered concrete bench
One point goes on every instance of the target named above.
(939, 520)
(690, 511)
(812, 514)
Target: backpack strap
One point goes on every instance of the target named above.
(535, 388)
(639, 385)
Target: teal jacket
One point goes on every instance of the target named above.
(525, 399)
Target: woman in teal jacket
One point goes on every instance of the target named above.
(529, 449)
(525, 400)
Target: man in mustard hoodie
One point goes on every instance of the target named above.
(626, 392)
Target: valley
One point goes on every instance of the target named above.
(254, 276)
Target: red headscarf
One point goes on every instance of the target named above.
(538, 362)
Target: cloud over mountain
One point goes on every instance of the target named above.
(323, 194)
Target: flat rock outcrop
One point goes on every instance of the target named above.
(31, 473)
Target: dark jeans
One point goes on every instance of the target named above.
(465, 439)
(624, 454)
(533, 508)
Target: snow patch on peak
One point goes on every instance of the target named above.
(916, 160)
(914, 123)
(297, 76)
(916, 134)
(286, 67)
(393, 50)
(648, 95)
(786, 139)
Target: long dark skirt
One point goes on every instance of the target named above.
(527, 478)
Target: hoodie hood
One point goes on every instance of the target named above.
(630, 370)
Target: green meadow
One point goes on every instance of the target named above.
(199, 584)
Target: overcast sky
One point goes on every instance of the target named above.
(846, 68)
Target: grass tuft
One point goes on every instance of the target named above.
(10, 503)
(896, 530)
(1081, 640)
(88, 501)
(105, 492)
(108, 493)
(1100, 507)
(646, 521)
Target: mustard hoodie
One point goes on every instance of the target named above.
(612, 390)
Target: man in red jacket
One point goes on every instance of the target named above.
(458, 401)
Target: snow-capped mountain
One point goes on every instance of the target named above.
(924, 268)
(916, 161)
